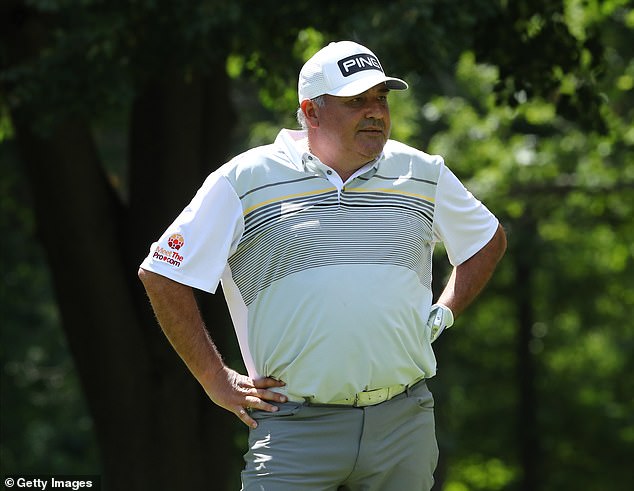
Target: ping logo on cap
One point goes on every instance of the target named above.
(357, 63)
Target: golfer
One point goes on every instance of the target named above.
(323, 244)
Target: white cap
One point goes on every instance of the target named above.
(343, 69)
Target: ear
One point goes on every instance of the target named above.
(310, 110)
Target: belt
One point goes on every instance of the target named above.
(367, 397)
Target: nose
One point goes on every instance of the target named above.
(376, 109)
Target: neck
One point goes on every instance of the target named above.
(344, 165)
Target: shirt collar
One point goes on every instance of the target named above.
(294, 143)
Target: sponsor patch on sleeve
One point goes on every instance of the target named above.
(171, 257)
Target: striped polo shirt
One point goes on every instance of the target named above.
(328, 283)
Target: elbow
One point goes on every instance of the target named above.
(151, 281)
(154, 282)
(501, 242)
(144, 276)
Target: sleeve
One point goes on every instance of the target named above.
(461, 222)
(195, 247)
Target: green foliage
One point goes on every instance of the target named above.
(6, 128)
(526, 160)
(479, 474)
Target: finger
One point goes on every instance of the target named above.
(267, 382)
(243, 414)
(270, 395)
(260, 404)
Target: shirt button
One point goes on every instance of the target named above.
(329, 172)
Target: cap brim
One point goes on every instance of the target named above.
(365, 83)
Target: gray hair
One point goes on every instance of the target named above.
(301, 117)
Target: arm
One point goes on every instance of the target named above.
(469, 278)
(177, 312)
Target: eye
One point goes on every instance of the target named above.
(355, 102)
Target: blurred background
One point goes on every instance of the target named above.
(113, 112)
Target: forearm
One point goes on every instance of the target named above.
(469, 278)
(177, 312)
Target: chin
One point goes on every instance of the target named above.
(374, 151)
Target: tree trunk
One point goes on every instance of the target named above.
(155, 427)
(528, 431)
(177, 137)
(78, 224)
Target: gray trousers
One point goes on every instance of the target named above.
(387, 447)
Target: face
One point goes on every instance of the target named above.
(350, 131)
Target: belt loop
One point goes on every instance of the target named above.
(409, 388)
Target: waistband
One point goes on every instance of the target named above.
(365, 397)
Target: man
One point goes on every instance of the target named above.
(323, 242)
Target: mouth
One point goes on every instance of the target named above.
(372, 131)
